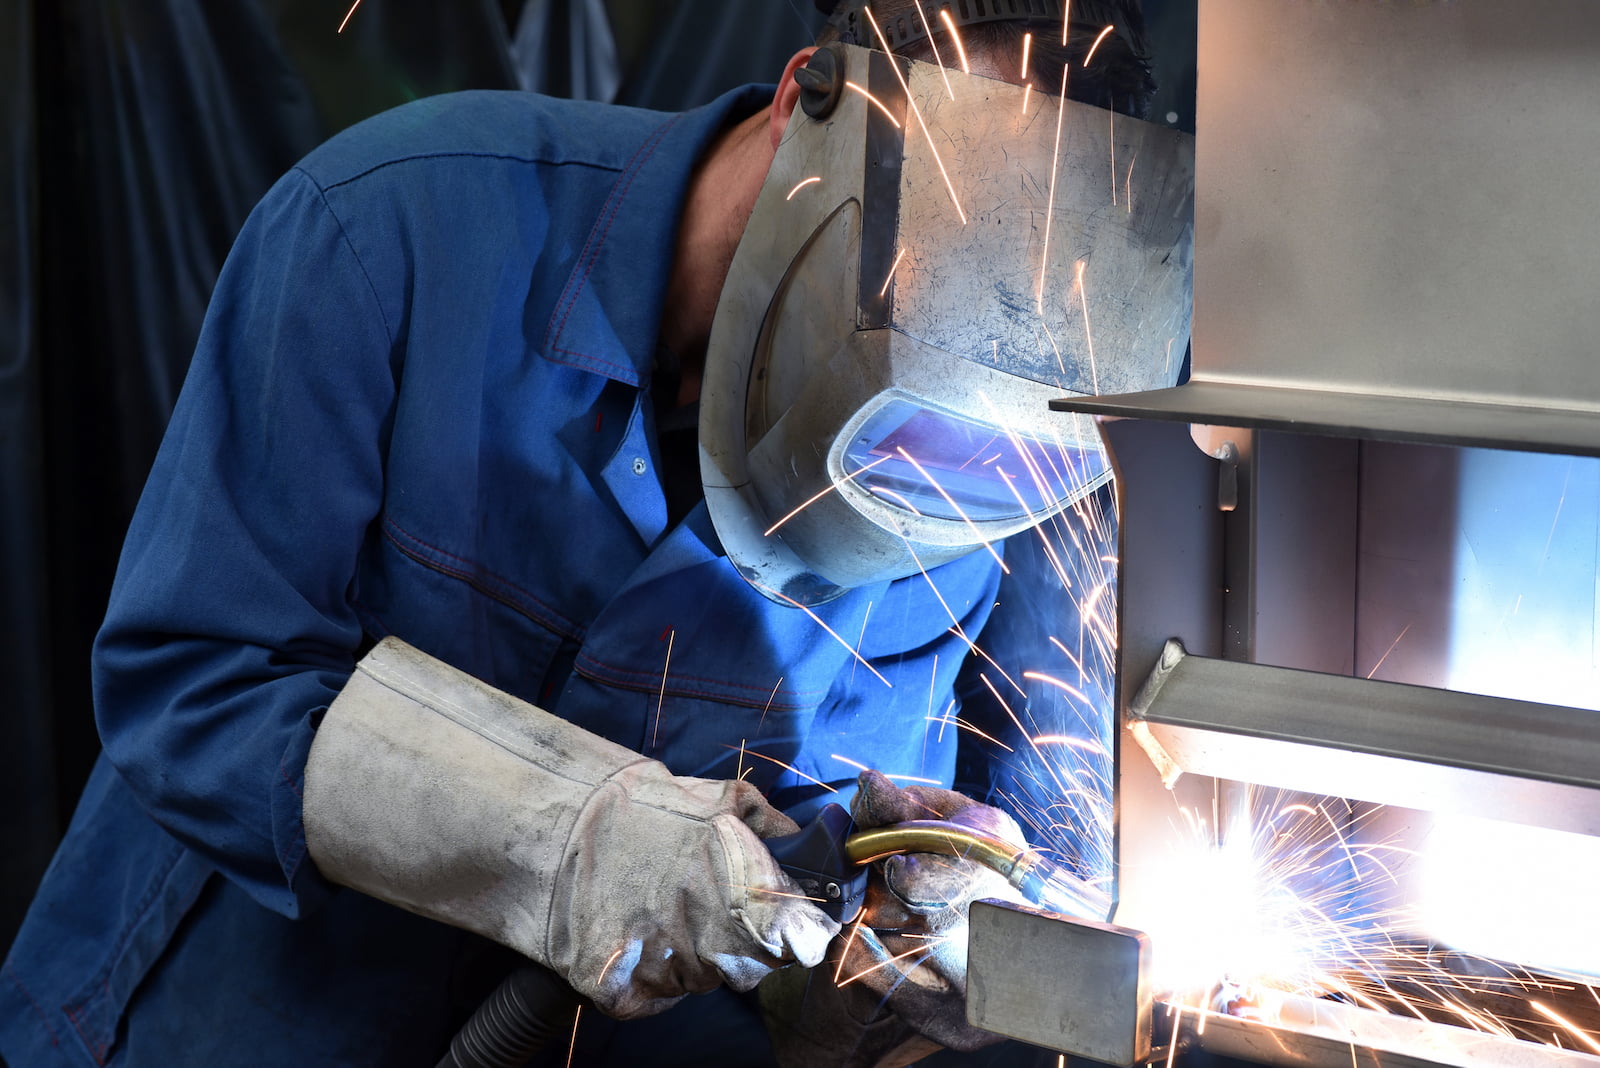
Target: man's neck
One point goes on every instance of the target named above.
(722, 191)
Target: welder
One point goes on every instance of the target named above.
(452, 629)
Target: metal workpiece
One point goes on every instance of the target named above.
(1085, 988)
(1310, 1032)
(1385, 244)
(1351, 414)
(1076, 986)
(1387, 196)
(1412, 746)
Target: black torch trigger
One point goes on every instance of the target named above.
(815, 859)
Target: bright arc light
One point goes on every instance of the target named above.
(1225, 917)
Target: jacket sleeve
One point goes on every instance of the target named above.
(231, 624)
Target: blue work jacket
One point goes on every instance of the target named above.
(420, 405)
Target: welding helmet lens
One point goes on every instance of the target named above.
(938, 464)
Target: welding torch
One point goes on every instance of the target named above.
(830, 861)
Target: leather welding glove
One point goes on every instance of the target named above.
(437, 793)
(893, 988)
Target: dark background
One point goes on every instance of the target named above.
(138, 135)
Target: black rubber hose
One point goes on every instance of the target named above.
(514, 1023)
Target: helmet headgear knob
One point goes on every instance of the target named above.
(821, 82)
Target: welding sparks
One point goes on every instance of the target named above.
(345, 21)
(925, 950)
(1112, 112)
(955, 35)
(1088, 334)
(1050, 202)
(1387, 651)
(1576, 1031)
(880, 105)
(792, 770)
(893, 267)
(781, 596)
(831, 487)
(655, 734)
(1103, 34)
(802, 184)
(900, 778)
(1275, 899)
(916, 111)
(573, 1047)
(951, 501)
(601, 981)
(923, 15)
(1027, 44)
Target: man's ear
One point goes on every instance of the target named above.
(788, 95)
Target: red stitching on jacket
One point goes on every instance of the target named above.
(651, 683)
(537, 611)
(16, 981)
(98, 1052)
(592, 249)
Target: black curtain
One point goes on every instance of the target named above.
(139, 133)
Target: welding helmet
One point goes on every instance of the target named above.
(933, 258)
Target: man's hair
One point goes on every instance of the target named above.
(1119, 78)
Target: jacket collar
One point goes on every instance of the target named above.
(610, 310)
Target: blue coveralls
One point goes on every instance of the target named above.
(420, 406)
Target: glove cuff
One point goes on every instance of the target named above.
(435, 792)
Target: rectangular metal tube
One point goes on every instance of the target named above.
(1412, 746)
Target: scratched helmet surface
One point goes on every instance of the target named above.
(935, 256)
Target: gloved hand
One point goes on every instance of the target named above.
(893, 987)
(435, 792)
